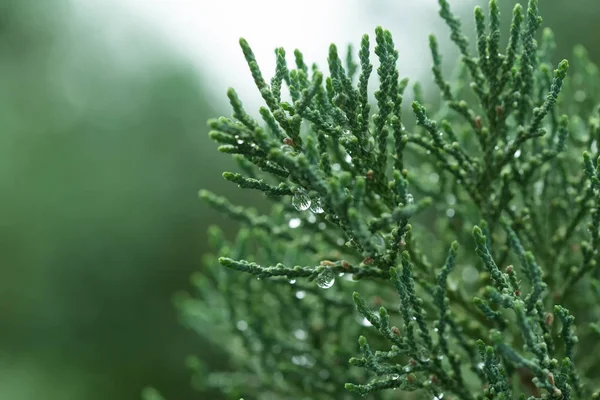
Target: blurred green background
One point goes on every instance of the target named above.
(101, 156)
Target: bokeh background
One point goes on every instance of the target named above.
(103, 147)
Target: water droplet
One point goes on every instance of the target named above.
(451, 199)
(316, 206)
(594, 147)
(301, 200)
(406, 368)
(414, 318)
(395, 376)
(428, 152)
(292, 281)
(341, 274)
(365, 322)
(336, 167)
(480, 365)
(300, 334)
(346, 132)
(439, 396)
(311, 218)
(326, 279)
(409, 199)
(300, 294)
(294, 223)
(348, 158)
(450, 212)
(322, 225)
(424, 356)
(518, 153)
(241, 325)
(240, 141)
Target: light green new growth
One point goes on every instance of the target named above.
(365, 205)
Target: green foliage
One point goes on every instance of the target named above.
(498, 168)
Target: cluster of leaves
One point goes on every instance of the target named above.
(503, 151)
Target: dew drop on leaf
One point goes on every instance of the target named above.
(326, 279)
(395, 376)
(301, 200)
(316, 206)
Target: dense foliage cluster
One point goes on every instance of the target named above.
(359, 258)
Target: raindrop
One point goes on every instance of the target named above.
(348, 158)
(406, 368)
(518, 153)
(241, 325)
(300, 294)
(326, 279)
(594, 147)
(341, 274)
(450, 212)
(365, 322)
(346, 132)
(439, 396)
(395, 376)
(409, 199)
(311, 218)
(292, 281)
(240, 141)
(480, 365)
(300, 334)
(428, 151)
(451, 199)
(316, 206)
(424, 356)
(301, 201)
(322, 225)
(294, 223)
(336, 167)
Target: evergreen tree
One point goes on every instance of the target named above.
(449, 254)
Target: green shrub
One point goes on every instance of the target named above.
(369, 209)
